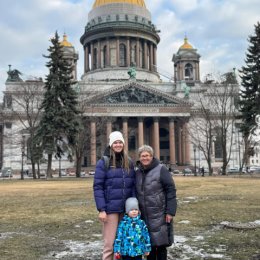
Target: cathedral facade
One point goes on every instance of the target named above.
(120, 38)
(121, 83)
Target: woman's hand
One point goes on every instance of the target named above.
(168, 218)
(102, 216)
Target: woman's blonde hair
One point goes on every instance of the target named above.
(125, 160)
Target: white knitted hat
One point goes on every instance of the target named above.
(116, 136)
(130, 204)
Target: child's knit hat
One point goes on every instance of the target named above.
(130, 204)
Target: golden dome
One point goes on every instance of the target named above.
(65, 42)
(104, 2)
(186, 45)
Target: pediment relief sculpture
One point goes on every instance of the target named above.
(135, 95)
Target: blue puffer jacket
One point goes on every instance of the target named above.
(112, 187)
(132, 237)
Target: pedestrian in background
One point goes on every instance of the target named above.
(202, 171)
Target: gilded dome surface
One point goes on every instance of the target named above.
(104, 2)
(186, 45)
(65, 42)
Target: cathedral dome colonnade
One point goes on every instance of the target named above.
(119, 34)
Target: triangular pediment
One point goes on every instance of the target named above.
(136, 93)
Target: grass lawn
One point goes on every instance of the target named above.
(38, 216)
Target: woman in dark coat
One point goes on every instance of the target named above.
(156, 193)
(114, 182)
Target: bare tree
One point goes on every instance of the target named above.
(213, 119)
(201, 131)
(82, 145)
(26, 107)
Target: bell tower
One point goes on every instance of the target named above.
(186, 64)
(70, 54)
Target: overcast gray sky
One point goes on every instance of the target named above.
(218, 29)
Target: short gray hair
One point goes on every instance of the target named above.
(145, 148)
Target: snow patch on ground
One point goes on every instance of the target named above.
(180, 250)
(188, 252)
(6, 235)
(184, 222)
(189, 200)
(78, 250)
(89, 221)
(240, 225)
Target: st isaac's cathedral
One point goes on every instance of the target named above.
(121, 83)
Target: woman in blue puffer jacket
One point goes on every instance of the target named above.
(114, 182)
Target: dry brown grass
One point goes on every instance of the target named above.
(35, 215)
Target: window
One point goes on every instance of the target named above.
(8, 125)
(8, 102)
(104, 56)
(95, 59)
(218, 147)
(188, 71)
(122, 55)
(133, 56)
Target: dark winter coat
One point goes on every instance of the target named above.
(113, 186)
(156, 193)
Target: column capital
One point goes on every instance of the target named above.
(172, 119)
(109, 119)
(184, 119)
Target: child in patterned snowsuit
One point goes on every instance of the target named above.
(132, 239)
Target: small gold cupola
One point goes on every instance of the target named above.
(186, 45)
(65, 42)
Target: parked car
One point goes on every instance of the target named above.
(63, 172)
(175, 171)
(42, 173)
(254, 168)
(72, 173)
(186, 171)
(233, 170)
(7, 172)
(91, 172)
(82, 174)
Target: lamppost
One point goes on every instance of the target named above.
(199, 162)
(59, 166)
(239, 156)
(23, 150)
(59, 157)
(195, 166)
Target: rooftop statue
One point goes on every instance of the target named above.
(13, 75)
(186, 89)
(132, 73)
